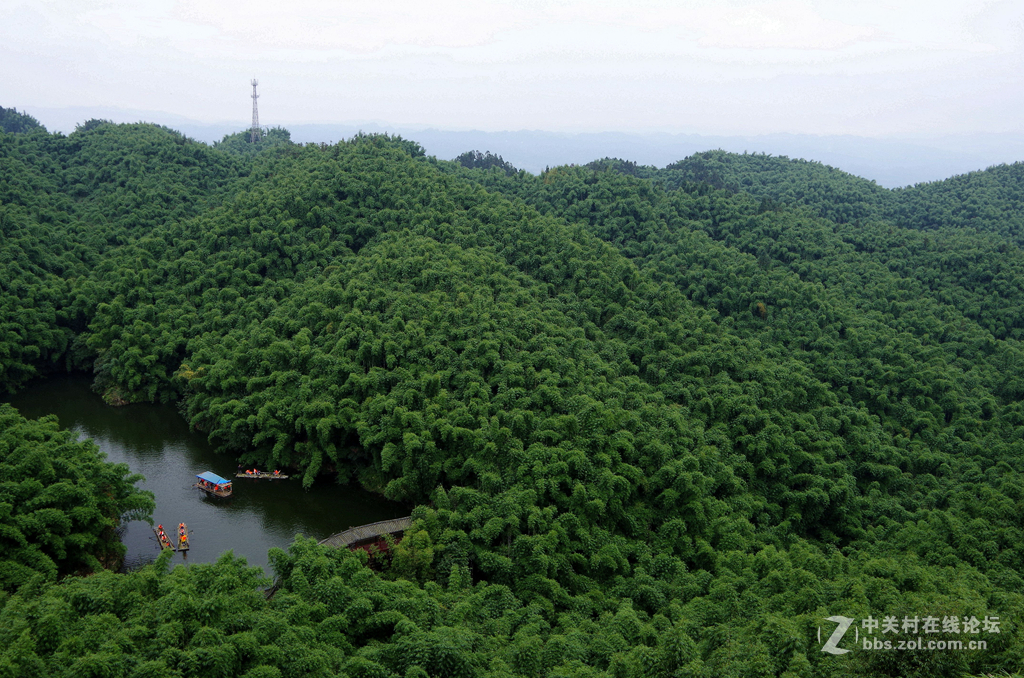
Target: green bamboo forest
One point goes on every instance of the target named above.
(648, 422)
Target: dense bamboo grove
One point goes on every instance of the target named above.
(653, 422)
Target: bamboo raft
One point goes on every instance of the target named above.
(163, 541)
(183, 544)
(370, 532)
(262, 475)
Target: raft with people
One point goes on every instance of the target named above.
(183, 544)
(213, 484)
(162, 538)
(258, 475)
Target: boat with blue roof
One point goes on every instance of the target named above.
(213, 484)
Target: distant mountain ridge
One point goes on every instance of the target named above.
(891, 162)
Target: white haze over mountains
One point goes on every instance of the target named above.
(866, 68)
(899, 92)
(891, 162)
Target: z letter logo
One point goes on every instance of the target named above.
(832, 644)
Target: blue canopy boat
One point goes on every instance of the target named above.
(213, 484)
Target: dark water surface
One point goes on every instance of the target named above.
(155, 440)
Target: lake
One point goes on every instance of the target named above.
(155, 440)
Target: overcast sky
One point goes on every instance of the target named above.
(916, 67)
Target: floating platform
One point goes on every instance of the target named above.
(262, 475)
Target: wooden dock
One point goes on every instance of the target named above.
(370, 532)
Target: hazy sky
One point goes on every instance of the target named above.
(717, 67)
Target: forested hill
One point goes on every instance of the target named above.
(831, 193)
(651, 423)
(986, 202)
(11, 121)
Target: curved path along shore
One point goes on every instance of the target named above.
(354, 535)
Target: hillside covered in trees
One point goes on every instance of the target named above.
(653, 422)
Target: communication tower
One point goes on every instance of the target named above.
(254, 134)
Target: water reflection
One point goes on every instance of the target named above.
(155, 440)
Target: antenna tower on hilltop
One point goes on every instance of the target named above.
(254, 134)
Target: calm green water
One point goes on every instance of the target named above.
(155, 440)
